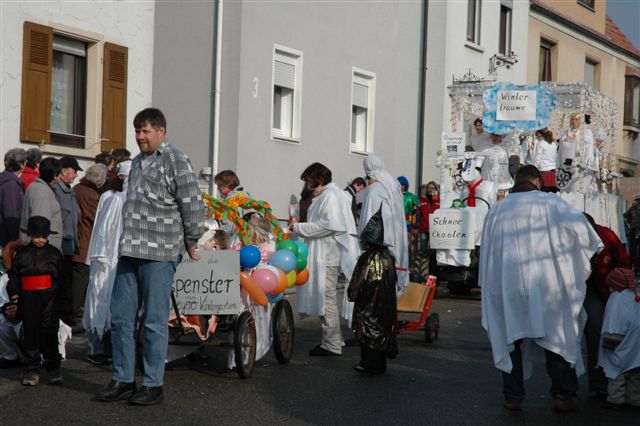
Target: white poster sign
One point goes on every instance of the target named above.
(453, 143)
(209, 286)
(516, 105)
(452, 229)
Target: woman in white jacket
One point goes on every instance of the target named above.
(545, 159)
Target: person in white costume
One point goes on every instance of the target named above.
(545, 156)
(331, 249)
(620, 349)
(384, 190)
(9, 329)
(534, 262)
(495, 167)
(102, 258)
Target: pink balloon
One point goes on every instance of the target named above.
(266, 279)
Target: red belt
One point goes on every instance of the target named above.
(37, 282)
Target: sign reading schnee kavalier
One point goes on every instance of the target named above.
(209, 286)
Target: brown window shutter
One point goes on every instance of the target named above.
(114, 97)
(37, 56)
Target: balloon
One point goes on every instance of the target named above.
(275, 299)
(303, 249)
(288, 245)
(283, 259)
(291, 278)
(303, 277)
(249, 257)
(301, 263)
(282, 282)
(253, 289)
(266, 279)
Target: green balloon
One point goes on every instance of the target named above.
(288, 245)
(301, 263)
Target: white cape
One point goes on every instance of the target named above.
(395, 229)
(534, 262)
(327, 230)
(103, 259)
(622, 316)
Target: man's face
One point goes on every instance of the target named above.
(359, 188)
(148, 138)
(68, 175)
(39, 240)
(575, 122)
(478, 127)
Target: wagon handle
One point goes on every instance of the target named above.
(175, 308)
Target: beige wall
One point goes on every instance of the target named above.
(595, 19)
(568, 59)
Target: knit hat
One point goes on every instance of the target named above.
(622, 278)
(404, 182)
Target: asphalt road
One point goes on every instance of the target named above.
(449, 382)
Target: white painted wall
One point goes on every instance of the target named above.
(128, 23)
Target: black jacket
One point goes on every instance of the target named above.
(31, 261)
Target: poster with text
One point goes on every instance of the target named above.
(514, 105)
(454, 143)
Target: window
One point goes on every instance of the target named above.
(473, 21)
(590, 73)
(505, 30)
(587, 3)
(63, 104)
(544, 61)
(632, 101)
(287, 94)
(362, 110)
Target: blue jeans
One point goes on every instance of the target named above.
(146, 283)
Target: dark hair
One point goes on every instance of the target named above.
(120, 154)
(227, 178)
(34, 156)
(477, 120)
(116, 184)
(527, 173)
(14, 159)
(104, 158)
(316, 175)
(49, 168)
(358, 181)
(546, 134)
(153, 116)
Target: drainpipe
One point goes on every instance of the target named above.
(423, 84)
(215, 84)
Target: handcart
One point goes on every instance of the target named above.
(417, 299)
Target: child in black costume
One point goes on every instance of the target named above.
(33, 279)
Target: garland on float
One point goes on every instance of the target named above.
(228, 209)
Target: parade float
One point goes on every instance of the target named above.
(239, 291)
(589, 181)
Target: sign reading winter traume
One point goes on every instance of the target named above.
(452, 229)
(516, 105)
(209, 286)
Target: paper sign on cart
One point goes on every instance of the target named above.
(452, 229)
(209, 286)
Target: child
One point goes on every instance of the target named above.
(620, 348)
(33, 279)
(373, 291)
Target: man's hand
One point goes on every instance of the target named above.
(10, 311)
(192, 252)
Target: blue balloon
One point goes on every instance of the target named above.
(276, 298)
(249, 257)
(283, 259)
(303, 249)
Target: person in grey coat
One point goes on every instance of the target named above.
(11, 194)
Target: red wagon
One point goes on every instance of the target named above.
(417, 299)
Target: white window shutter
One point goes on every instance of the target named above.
(360, 95)
(284, 74)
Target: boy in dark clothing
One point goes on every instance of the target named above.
(33, 279)
(373, 291)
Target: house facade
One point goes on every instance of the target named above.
(74, 75)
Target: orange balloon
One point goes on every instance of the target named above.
(282, 282)
(303, 277)
(253, 289)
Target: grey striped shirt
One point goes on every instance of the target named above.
(164, 211)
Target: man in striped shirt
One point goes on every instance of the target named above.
(162, 217)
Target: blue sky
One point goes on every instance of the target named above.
(626, 15)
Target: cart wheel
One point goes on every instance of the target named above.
(244, 344)
(428, 329)
(283, 331)
(435, 321)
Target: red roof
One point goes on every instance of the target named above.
(616, 36)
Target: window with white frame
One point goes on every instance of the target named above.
(504, 44)
(287, 94)
(363, 87)
(591, 73)
(473, 21)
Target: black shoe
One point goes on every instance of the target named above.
(147, 396)
(98, 359)
(320, 351)
(115, 391)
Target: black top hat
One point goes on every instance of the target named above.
(39, 225)
(373, 231)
